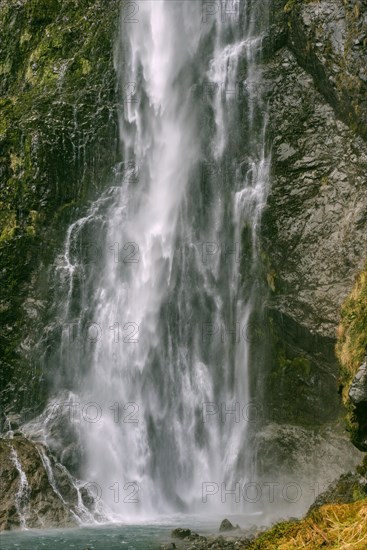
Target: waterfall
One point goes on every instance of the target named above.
(22, 496)
(156, 345)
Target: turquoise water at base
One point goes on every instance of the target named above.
(91, 538)
(112, 537)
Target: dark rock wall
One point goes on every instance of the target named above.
(315, 224)
(58, 130)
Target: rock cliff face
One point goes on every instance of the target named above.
(58, 145)
(315, 225)
(317, 215)
(34, 492)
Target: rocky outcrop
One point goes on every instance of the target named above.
(37, 490)
(329, 40)
(348, 488)
(358, 387)
(232, 538)
(316, 216)
(226, 525)
(35, 493)
(314, 233)
(325, 453)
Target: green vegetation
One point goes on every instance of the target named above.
(301, 364)
(325, 181)
(292, 4)
(57, 86)
(352, 332)
(352, 345)
(58, 136)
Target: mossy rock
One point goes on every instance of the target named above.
(58, 145)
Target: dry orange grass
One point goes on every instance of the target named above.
(339, 526)
(352, 331)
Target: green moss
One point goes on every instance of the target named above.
(292, 4)
(351, 346)
(270, 539)
(300, 364)
(358, 494)
(352, 331)
(25, 38)
(8, 224)
(16, 163)
(57, 60)
(86, 66)
(269, 272)
(362, 468)
(58, 130)
(5, 68)
(291, 368)
(3, 126)
(271, 279)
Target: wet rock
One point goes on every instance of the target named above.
(13, 421)
(180, 533)
(358, 388)
(325, 39)
(304, 451)
(28, 497)
(226, 525)
(87, 498)
(344, 490)
(62, 435)
(285, 152)
(314, 229)
(212, 542)
(195, 537)
(59, 105)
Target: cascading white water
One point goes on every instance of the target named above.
(22, 496)
(168, 310)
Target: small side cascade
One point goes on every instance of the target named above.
(50, 475)
(22, 496)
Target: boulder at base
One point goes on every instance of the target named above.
(180, 533)
(29, 497)
(226, 525)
